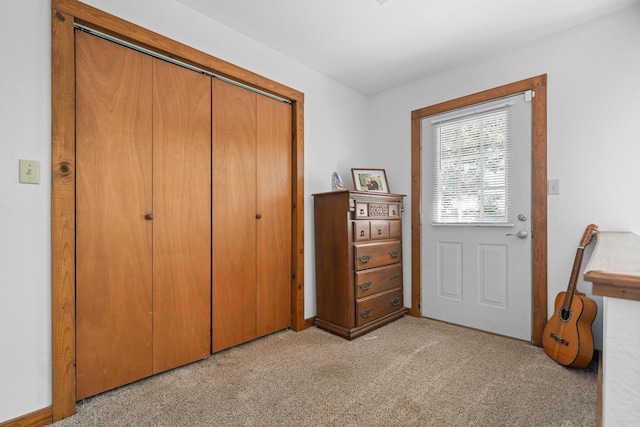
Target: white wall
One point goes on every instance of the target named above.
(25, 256)
(593, 142)
(335, 124)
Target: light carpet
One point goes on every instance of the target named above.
(412, 372)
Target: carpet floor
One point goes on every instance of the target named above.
(412, 372)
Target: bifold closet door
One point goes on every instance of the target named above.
(114, 306)
(143, 210)
(234, 215)
(182, 216)
(273, 196)
(251, 215)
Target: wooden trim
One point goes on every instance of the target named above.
(629, 281)
(64, 14)
(538, 188)
(539, 208)
(41, 417)
(129, 32)
(309, 322)
(416, 214)
(619, 286)
(63, 215)
(297, 256)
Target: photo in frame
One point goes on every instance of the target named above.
(374, 180)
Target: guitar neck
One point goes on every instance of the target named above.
(573, 280)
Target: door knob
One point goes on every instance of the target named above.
(520, 234)
(148, 216)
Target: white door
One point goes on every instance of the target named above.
(476, 268)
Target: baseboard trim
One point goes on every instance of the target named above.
(309, 322)
(41, 417)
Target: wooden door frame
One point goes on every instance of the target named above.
(64, 14)
(538, 192)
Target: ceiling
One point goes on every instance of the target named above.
(374, 45)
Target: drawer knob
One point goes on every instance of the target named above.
(394, 277)
(364, 258)
(366, 313)
(148, 217)
(395, 301)
(365, 286)
(394, 253)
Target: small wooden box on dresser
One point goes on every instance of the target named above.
(358, 261)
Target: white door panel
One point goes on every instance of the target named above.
(449, 270)
(492, 275)
(480, 275)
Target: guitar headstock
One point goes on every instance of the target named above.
(591, 230)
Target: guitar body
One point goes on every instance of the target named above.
(570, 342)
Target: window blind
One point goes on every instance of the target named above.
(472, 170)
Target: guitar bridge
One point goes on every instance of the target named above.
(559, 339)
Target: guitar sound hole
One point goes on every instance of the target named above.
(565, 315)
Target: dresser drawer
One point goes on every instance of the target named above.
(379, 230)
(394, 210)
(371, 308)
(361, 231)
(395, 229)
(374, 230)
(375, 280)
(362, 210)
(370, 255)
(377, 210)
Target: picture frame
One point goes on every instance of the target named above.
(370, 179)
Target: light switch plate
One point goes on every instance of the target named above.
(553, 187)
(29, 172)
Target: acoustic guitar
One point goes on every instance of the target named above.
(567, 335)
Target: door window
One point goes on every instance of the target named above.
(471, 167)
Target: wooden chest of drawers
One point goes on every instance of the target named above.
(358, 241)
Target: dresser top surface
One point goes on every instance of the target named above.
(361, 194)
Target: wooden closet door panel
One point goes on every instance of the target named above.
(113, 194)
(274, 148)
(182, 216)
(234, 215)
